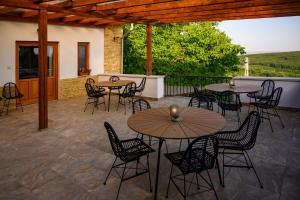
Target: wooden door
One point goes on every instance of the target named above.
(27, 71)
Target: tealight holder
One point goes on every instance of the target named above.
(231, 83)
(174, 113)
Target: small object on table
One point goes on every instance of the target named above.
(174, 113)
(231, 83)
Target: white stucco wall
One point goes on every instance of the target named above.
(154, 87)
(67, 36)
(290, 89)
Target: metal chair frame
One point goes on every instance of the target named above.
(96, 87)
(93, 97)
(11, 92)
(198, 157)
(139, 89)
(129, 93)
(266, 92)
(230, 101)
(128, 151)
(271, 103)
(238, 142)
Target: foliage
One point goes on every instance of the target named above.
(187, 49)
(283, 64)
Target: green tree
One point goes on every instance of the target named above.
(188, 49)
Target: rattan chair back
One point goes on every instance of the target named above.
(11, 91)
(139, 105)
(200, 154)
(114, 141)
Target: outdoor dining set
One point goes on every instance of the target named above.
(199, 126)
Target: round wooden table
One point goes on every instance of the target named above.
(221, 87)
(156, 122)
(119, 83)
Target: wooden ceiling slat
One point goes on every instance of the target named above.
(231, 5)
(93, 13)
(30, 13)
(6, 10)
(89, 2)
(224, 11)
(140, 5)
(187, 4)
(232, 16)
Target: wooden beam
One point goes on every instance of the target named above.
(55, 22)
(232, 17)
(149, 50)
(242, 11)
(214, 7)
(89, 2)
(30, 13)
(6, 10)
(43, 69)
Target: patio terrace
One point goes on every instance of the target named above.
(70, 159)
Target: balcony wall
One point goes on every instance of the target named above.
(290, 97)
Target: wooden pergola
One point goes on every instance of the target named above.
(101, 13)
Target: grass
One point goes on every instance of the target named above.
(283, 64)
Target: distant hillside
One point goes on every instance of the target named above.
(284, 64)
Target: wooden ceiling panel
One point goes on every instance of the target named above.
(114, 12)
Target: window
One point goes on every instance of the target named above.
(28, 61)
(83, 58)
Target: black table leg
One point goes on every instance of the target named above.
(157, 167)
(109, 99)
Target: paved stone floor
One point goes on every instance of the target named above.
(70, 159)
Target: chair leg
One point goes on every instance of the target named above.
(168, 187)
(104, 183)
(212, 185)
(7, 106)
(121, 181)
(260, 183)
(238, 118)
(223, 168)
(118, 102)
(104, 103)
(86, 104)
(184, 187)
(269, 118)
(149, 173)
(219, 173)
(277, 115)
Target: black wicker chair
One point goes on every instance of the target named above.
(230, 101)
(267, 90)
(114, 79)
(201, 101)
(128, 151)
(238, 142)
(11, 92)
(139, 89)
(201, 155)
(96, 87)
(210, 97)
(93, 97)
(128, 93)
(263, 105)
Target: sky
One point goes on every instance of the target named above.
(264, 35)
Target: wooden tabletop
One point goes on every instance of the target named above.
(237, 88)
(114, 84)
(194, 122)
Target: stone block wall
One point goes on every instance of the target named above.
(113, 50)
(73, 87)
